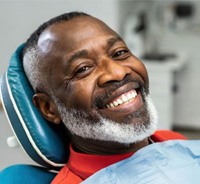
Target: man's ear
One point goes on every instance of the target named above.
(47, 107)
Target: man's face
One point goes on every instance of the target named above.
(90, 69)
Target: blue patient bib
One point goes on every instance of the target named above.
(169, 162)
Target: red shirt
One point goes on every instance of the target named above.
(80, 166)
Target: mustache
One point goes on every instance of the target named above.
(99, 100)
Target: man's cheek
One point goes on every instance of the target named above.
(81, 92)
(80, 100)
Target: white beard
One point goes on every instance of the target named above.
(108, 130)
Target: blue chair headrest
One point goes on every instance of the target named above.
(45, 143)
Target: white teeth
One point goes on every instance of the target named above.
(108, 106)
(119, 101)
(111, 105)
(134, 93)
(129, 96)
(123, 98)
(115, 103)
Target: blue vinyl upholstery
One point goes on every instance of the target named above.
(45, 143)
(26, 174)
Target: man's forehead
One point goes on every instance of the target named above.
(68, 31)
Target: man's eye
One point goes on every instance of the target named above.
(119, 53)
(82, 69)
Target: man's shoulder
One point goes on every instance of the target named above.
(164, 135)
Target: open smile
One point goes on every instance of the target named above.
(123, 101)
(124, 98)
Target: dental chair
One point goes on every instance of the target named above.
(45, 143)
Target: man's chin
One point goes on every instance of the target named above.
(137, 117)
(125, 133)
(134, 127)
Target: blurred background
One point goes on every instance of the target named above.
(165, 35)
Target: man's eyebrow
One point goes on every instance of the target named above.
(78, 54)
(113, 40)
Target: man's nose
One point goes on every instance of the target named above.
(112, 71)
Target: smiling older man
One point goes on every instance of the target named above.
(84, 76)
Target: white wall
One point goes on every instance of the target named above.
(185, 38)
(18, 19)
(171, 38)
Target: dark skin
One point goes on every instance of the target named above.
(83, 65)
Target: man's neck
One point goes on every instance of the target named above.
(104, 147)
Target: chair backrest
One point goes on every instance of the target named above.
(45, 143)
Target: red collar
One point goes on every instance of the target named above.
(84, 165)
